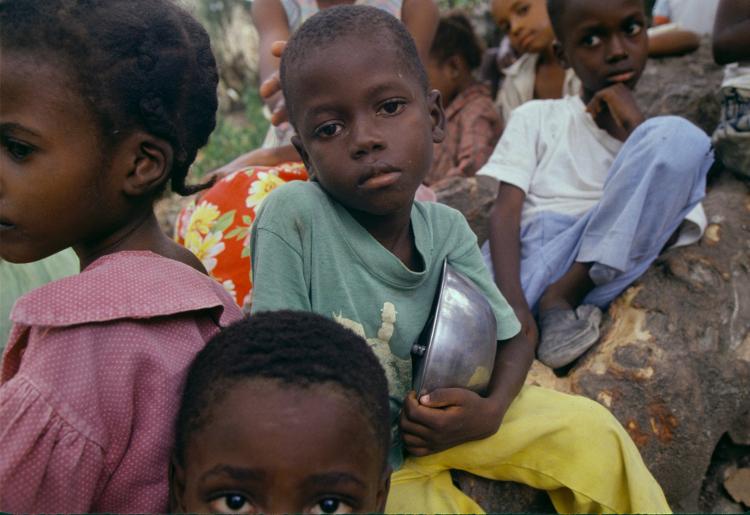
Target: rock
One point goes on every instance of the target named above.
(473, 197)
(740, 431)
(727, 506)
(738, 485)
(687, 86)
(506, 497)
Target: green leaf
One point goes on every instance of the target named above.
(224, 221)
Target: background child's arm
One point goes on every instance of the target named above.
(674, 41)
(505, 249)
(421, 19)
(272, 25)
(731, 40)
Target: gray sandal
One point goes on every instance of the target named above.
(566, 334)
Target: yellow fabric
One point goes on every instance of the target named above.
(570, 446)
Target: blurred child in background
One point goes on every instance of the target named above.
(472, 124)
(537, 73)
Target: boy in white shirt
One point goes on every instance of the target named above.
(590, 192)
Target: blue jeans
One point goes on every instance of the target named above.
(658, 177)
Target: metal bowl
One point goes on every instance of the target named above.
(457, 347)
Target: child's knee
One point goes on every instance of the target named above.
(681, 146)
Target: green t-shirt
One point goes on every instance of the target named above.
(309, 254)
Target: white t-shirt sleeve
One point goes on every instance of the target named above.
(514, 159)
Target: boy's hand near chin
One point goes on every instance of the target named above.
(619, 101)
(448, 417)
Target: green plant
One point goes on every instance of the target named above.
(234, 135)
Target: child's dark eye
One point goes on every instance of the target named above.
(18, 150)
(331, 505)
(522, 9)
(230, 503)
(633, 29)
(591, 40)
(392, 107)
(328, 130)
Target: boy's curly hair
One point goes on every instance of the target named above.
(331, 26)
(298, 349)
(455, 36)
(139, 64)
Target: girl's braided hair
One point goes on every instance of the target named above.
(139, 64)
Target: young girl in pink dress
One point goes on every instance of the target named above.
(102, 104)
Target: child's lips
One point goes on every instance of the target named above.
(379, 176)
(621, 76)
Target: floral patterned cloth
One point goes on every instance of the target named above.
(216, 226)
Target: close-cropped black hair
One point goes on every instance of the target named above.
(455, 36)
(295, 348)
(331, 26)
(139, 64)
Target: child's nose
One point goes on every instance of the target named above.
(616, 50)
(366, 138)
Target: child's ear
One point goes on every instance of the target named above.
(150, 161)
(384, 488)
(176, 487)
(435, 106)
(557, 48)
(297, 142)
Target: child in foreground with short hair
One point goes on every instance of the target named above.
(275, 418)
(590, 192)
(102, 103)
(472, 125)
(354, 246)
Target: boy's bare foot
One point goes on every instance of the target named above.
(566, 333)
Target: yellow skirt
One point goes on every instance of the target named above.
(568, 445)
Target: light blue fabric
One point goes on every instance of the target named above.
(659, 175)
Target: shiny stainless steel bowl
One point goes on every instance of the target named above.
(457, 346)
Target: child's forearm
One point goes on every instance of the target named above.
(505, 244)
(512, 363)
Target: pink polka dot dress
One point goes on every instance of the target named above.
(91, 382)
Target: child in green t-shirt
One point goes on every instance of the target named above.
(353, 245)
